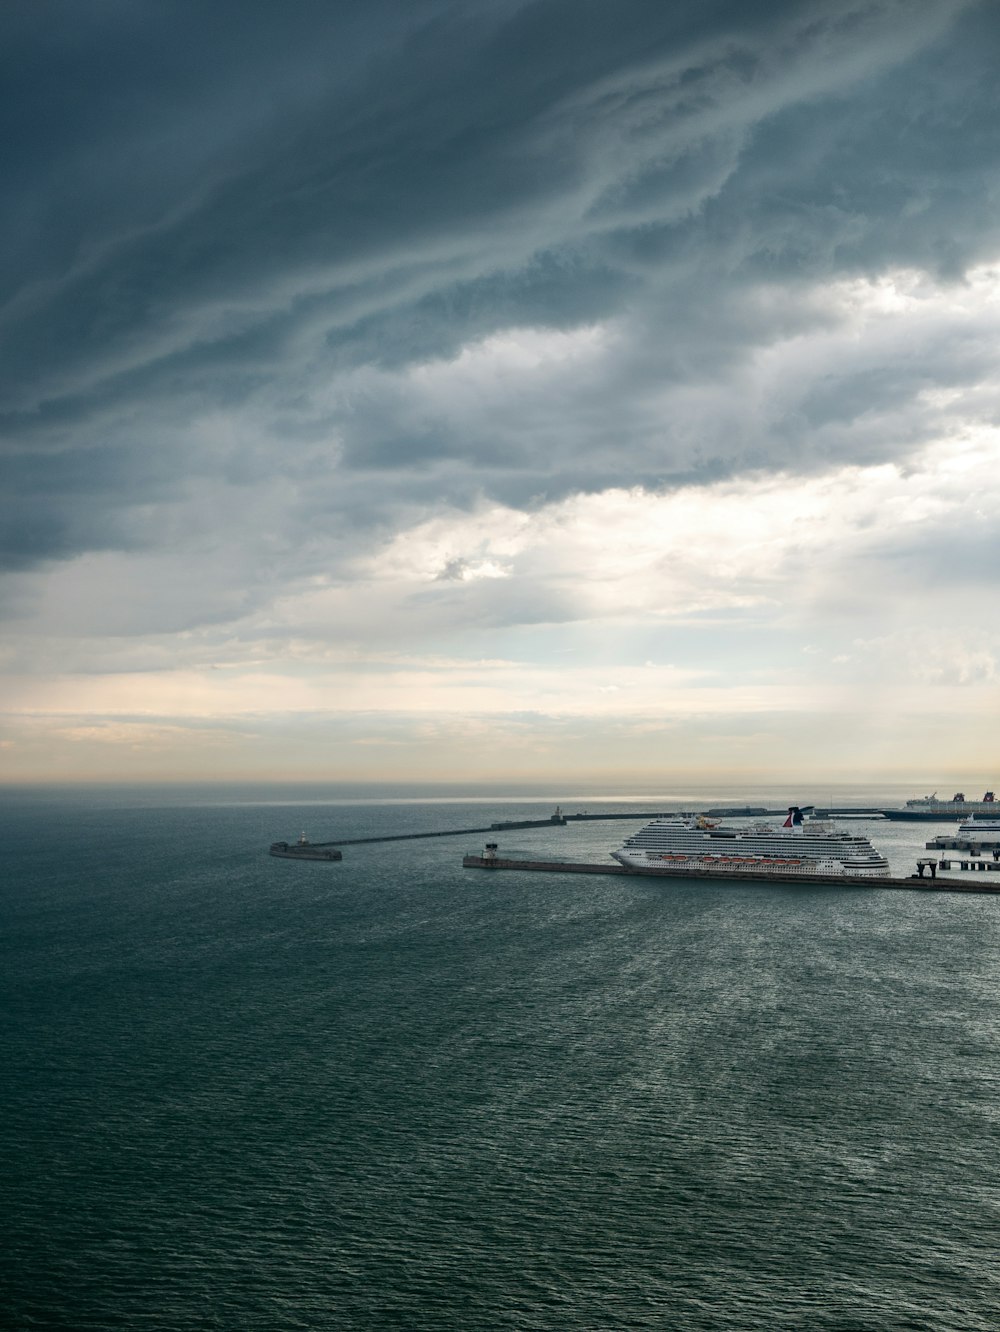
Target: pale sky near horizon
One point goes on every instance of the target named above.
(519, 389)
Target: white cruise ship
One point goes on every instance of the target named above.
(797, 847)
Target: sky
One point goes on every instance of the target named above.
(520, 389)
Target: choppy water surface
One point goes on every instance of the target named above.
(388, 1093)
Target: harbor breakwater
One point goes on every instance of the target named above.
(299, 850)
(557, 820)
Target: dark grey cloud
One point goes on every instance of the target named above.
(231, 231)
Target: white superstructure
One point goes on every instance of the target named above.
(800, 847)
(982, 829)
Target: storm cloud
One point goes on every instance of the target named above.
(283, 287)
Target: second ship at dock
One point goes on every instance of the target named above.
(929, 809)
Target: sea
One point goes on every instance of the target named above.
(239, 1092)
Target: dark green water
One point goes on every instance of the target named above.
(390, 1093)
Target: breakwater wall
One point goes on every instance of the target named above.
(445, 832)
(914, 884)
(557, 820)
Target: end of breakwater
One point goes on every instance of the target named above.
(304, 851)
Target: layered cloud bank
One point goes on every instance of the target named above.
(430, 390)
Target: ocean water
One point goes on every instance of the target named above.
(246, 1093)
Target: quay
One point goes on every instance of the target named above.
(975, 846)
(725, 812)
(917, 883)
(983, 866)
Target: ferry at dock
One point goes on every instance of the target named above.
(799, 846)
(982, 829)
(928, 808)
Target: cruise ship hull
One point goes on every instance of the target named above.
(658, 860)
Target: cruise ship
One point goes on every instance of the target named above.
(797, 847)
(928, 808)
